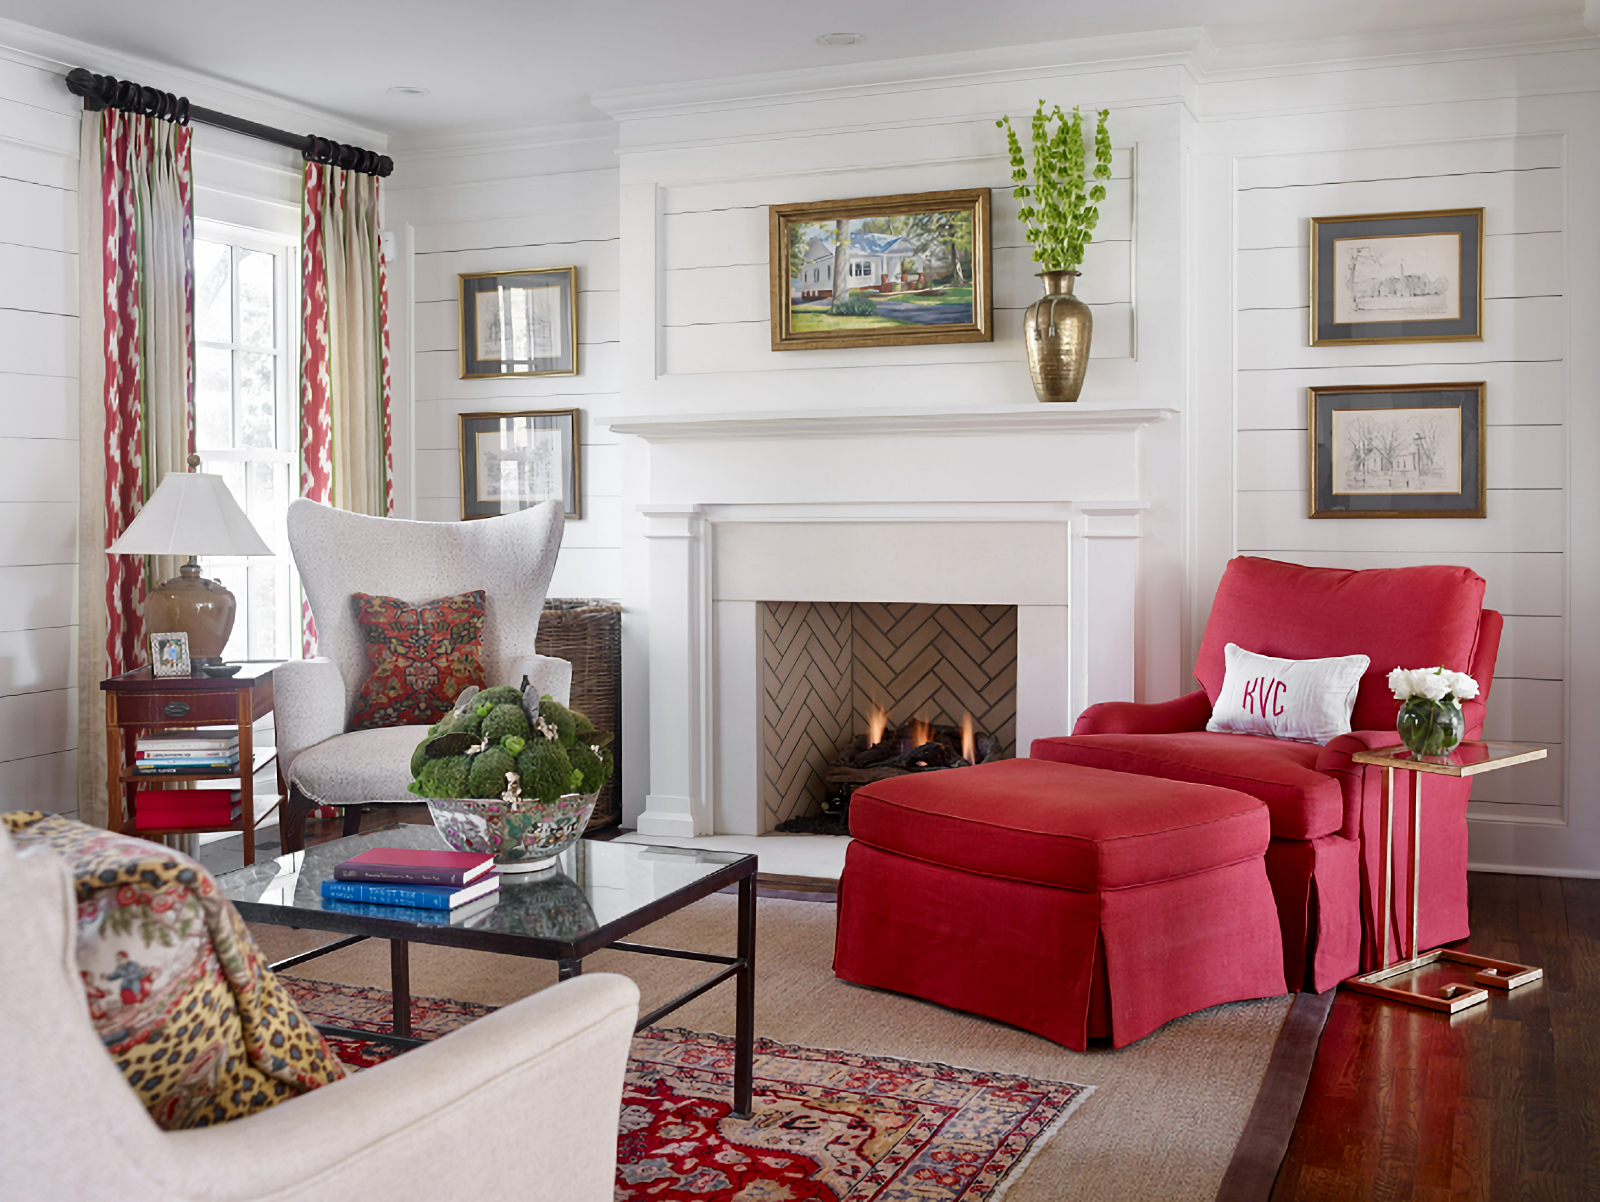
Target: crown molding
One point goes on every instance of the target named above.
(464, 143)
(1082, 55)
(52, 52)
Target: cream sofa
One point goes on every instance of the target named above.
(522, 1103)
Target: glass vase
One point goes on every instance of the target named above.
(1430, 727)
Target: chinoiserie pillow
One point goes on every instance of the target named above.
(422, 656)
(1306, 700)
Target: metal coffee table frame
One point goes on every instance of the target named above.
(568, 954)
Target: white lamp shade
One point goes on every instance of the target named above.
(191, 514)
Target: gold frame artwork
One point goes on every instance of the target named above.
(550, 331)
(1399, 438)
(783, 223)
(476, 430)
(1446, 245)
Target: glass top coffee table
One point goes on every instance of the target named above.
(599, 893)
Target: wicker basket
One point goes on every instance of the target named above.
(588, 635)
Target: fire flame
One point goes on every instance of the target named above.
(877, 723)
(969, 741)
(921, 732)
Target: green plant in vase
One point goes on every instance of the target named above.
(1060, 212)
(1430, 720)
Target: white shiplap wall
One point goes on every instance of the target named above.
(494, 209)
(38, 437)
(1519, 549)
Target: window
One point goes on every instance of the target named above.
(245, 374)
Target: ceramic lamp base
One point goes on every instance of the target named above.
(203, 609)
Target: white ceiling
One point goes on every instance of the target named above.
(519, 63)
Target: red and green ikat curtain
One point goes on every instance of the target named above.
(346, 454)
(147, 225)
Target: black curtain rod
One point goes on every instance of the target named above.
(104, 91)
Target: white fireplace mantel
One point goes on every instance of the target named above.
(1042, 505)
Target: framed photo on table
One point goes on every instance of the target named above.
(1398, 451)
(169, 654)
(1397, 277)
(512, 461)
(912, 268)
(518, 323)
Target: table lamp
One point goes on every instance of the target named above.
(191, 514)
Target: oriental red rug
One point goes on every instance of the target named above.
(828, 1126)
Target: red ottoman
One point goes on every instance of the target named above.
(1069, 901)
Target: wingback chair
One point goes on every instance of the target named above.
(547, 1068)
(321, 762)
(1325, 809)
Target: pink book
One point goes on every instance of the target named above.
(406, 865)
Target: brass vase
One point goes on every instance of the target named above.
(1057, 328)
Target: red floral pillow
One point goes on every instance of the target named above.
(422, 656)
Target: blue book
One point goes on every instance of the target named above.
(461, 915)
(426, 897)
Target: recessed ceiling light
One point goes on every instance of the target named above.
(408, 91)
(841, 39)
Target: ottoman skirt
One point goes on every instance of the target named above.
(1066, 964)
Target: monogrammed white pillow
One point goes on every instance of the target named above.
(1307, 700)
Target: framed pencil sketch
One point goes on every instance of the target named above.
(1398, 451)
(169, 654)
(512, 461)
(518, 323)
(1397, 277)
(881, 271)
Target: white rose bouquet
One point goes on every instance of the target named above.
(1436, 684)
(1431, 721)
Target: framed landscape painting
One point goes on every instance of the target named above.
(1398, 451)
(881, 271)
(1397, 277)
(512, 461)
(518, 323)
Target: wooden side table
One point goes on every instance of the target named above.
(138, 700)
(1468, 759)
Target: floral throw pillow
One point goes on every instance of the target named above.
(422, 656)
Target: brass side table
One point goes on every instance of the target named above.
(1468, 759)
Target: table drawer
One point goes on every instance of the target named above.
(146, 709)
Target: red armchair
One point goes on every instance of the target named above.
(1325, 810)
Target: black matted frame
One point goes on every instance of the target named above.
(1394, 451)
(1359, 266)
(518, 323)
(537, 454)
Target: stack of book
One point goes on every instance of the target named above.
(187, 752)
(162, 809)
(413, 884)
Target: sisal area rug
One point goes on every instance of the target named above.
(827, 1125)
(1163, 1122)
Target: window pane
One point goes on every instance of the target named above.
(258, 400)
(213, 298)
(256, 299)
(213, 397)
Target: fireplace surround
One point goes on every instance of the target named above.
(1043, 506)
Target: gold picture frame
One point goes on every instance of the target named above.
(517, 323)
(917, 267)
(1398, 451)
(514, 461)
(1397, 277)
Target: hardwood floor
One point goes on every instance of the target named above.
(1501, 1101)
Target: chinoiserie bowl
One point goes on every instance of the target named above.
(523, 836)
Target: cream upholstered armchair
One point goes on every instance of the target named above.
(548, 1068)
(321, 762)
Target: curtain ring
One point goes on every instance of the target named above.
(182, 115)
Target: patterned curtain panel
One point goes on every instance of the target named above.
(346, 458)
(147, 224)
(136, 387)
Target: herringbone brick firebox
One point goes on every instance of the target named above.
(824, 667)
